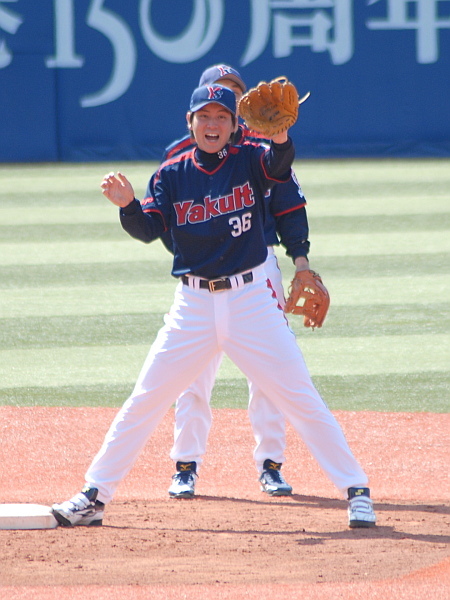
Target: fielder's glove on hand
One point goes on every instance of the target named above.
(270, 108)
(308, 297)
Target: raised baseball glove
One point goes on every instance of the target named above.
(308, 297)
(271, 108)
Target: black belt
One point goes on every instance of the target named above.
(218, 285)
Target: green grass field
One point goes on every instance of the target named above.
(81, 301)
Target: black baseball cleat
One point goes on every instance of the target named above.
(272, 481)
(183, 485)
(82, 509)
(360, 508)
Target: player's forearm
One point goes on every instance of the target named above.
(278, 160)
(293, 231)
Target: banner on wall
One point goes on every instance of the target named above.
(100, 80)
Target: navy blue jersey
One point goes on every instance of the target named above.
(213, 206)
(285, 219)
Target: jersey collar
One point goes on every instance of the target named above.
(211, 161)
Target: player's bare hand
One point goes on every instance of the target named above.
(280, 138)
(117, 189)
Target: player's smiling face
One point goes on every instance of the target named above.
(212, 127)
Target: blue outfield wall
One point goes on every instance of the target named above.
(101, 80)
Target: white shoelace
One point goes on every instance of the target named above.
(361, 504)
(78, 502)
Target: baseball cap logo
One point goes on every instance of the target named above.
(214, 92)
(224, 70)
(203, 95)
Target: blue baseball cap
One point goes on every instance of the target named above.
(217, 72)
(207, 94)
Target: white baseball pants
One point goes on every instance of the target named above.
(246, 323)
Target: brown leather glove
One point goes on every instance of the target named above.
(308, 297)
(270, 108)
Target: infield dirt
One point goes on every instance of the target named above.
(231, 540)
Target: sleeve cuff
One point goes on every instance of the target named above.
(130, 209)
(284, 146)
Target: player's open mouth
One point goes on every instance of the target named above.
(212, 137)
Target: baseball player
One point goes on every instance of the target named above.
(212, 200)
(193, 416)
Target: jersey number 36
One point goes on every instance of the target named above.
(240, 224)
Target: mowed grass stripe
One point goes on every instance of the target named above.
(157, 271)
(63, 184)
(82, 300)
(132, 273)
(111, 395)
(357, 291)
(77, 232)
(83, 176)
(44, 253)
(114, 299)
(98, 211)
(59, 366)
(378, 321)
(389, 265)
(352, 244)
(408, 392)
(93, 365)
(387, 392)
(77, 330)
(141, 328)
(98, 231)
(322, 207)
(363, 173)
(324, 201)
(338, 224)
(371, 244)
